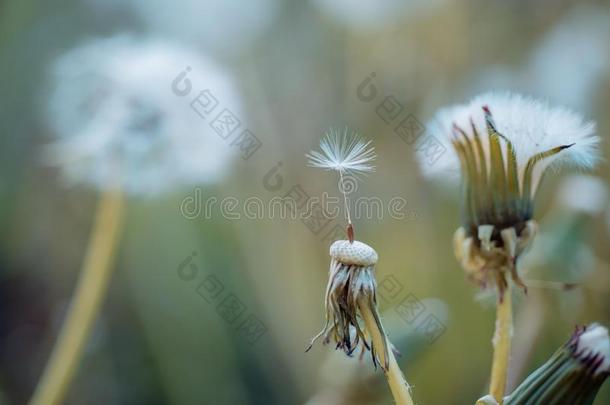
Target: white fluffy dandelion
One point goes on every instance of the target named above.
(121, 126)
(113, 112)
(531, 126)
(502, 144)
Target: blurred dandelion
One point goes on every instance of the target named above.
(579, 35)
(116, 118)
(121, 130)
(502, 146)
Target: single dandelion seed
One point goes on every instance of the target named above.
(347, 153)
(344, 152)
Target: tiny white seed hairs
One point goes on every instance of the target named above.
(347, 153)
(595, 341)
(531, 125)
(344, 151)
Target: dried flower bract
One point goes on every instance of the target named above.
(573, 375)
(502, 146)
(352, 289)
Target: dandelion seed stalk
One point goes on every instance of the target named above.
(86, 302)
(350, 227)
(502, 344)
(396, 379)
(347, 209)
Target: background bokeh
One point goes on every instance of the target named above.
(295, 68)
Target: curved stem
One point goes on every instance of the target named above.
(501, 341)
(86, 302)
(396, 380)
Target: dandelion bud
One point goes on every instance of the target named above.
(351, 290)
(573, 375)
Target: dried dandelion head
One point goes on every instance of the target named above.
(351, 290)
(502, 145)
(351, 297)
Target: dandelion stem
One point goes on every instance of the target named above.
(86, 302)
(501, 341)
(396, 380)
(345, 200)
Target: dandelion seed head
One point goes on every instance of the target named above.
(532, 126)
(113, 114)
(501, 144)
(345, 152)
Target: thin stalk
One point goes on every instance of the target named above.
(86, 302)
(396, 380)
(345, 200)
(502, 341)
(350, 227)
